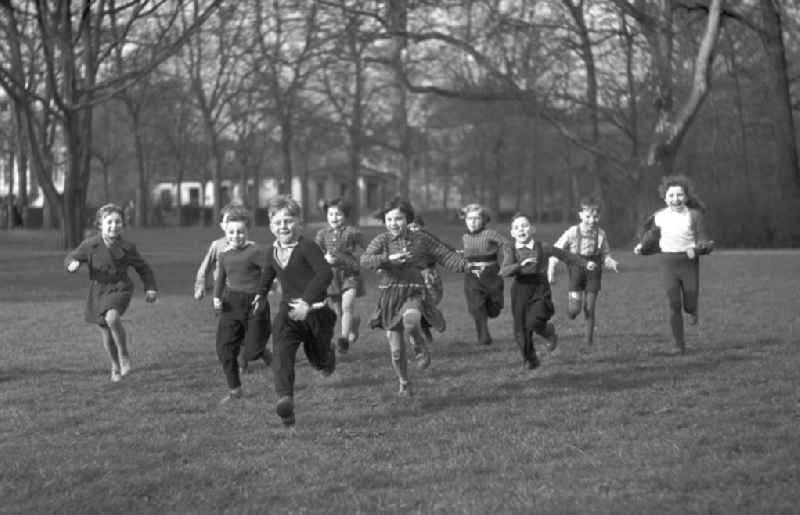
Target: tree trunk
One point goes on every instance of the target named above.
(781, 105)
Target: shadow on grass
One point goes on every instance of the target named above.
(640, 376)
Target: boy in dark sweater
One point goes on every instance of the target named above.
(303, 316)
(241, 319)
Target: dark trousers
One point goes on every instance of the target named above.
(239, 326)
(680, 277)
(484, 294)
(531, 308)
(314, 333)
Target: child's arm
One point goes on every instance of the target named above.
(142, 268)
(649, 235)
(567, 257)
(375, 256)
(77, 257)
(605, 251)
(351, 252)
(510, 264)
(445, 255)
(552, 262)
(702, 244)
(323, 275)
(210, 260)
(219, 282)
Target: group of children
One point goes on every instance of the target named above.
(320, 279)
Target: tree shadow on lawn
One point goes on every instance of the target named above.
(636, 376)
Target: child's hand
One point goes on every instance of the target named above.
(150, 296)
(637, 249)
(690, 253)
(329, 258)
(199, 292)
(399, 257)
(298, 309)
(591, 266)
(612, 264)
(257, 304)
(73, 266)
(528, 261)
(217, 303)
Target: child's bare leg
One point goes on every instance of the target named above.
(114, 321)
(349, 318)
(412, 326)
(108, 344)
(335, 303)
(397, 346)
(588, 313)
(575, 305)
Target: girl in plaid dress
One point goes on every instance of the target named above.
(404, 302)
(342, 245)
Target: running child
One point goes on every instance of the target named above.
(342, 245)
(244, 325)
(404, 303)
(588, 240)
(209, 264)
(678, 234)
(483, 286)
(531, 301)
(108, 257)
(431, 277)
(303, 316)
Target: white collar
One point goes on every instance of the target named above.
(279, 245)
(246, 244)
(528, 245)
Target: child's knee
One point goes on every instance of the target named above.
(113, 318)
(411, 319)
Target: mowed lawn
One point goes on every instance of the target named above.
(628, 427)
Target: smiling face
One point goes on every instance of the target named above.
(335, 217)
(236, 233)
(675, 197)
(285, 226)
(474, 221)
(589, 216)
(111, 225)
(522, 230)
(395, 221)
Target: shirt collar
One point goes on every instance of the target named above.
(246, 244)
(279, 245)
(528, 245)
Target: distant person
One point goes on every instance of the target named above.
(342, 245)
(404, 304)
(244, 325)
(531, 301)
(130, 211)
(303, 316)
(588, 240)
(108, 257)
(676, 232)
(483, 285)
(431, 277)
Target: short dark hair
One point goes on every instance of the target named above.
(342, 204)
(107, 209)
(692, 200)
(589, 203)
(401, 205)
(284, 202)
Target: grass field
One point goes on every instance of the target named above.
(628, 427)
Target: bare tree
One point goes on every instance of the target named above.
(76, 44)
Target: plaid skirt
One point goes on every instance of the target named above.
(343, 280)
(396, 299)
